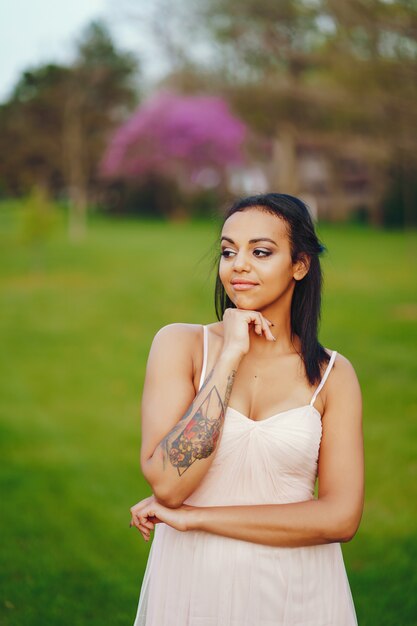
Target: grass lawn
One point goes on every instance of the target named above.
(75, 333)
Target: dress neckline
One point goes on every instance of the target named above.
(266, 419)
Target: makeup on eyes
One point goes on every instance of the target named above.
(225, 252)
(265, 251)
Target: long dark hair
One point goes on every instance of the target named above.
(306, 300)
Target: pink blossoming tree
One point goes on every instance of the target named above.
(190, 141)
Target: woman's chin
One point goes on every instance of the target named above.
(251, 304)
(245, 303)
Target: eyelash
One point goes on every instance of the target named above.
(265, 253)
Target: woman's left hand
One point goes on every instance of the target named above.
(148, 512)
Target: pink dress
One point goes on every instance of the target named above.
(196, 578)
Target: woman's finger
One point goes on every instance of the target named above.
(134, 521)
(142, 512)
(258, 328)
(137, 519)
(261, 326)
(145, 535)
(264, 325)
(144, 520)
(267, 330)
(143, 529)
(145, 532)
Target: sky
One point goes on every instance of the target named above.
(33, 32)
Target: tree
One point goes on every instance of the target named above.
(378, 39)
(55, 126)
(31, 132)
(187, 140)
(101, 93)
(341, 75)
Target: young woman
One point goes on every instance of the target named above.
(239, 418)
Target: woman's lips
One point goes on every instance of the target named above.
(243, 286)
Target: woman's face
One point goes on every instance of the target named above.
(256, 267)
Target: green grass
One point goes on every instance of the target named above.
(75, 334)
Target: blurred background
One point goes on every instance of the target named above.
(125, 130)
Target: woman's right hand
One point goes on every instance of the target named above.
(236, 330)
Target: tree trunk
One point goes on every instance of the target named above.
(284, 177)
(75, 167)
(337, 197)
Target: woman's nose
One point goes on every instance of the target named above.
(241, 262)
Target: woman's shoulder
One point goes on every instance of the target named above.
(340, 360)
(343, 375)
(178, 343)
(179, 332)
(187, 339)
(183, 329)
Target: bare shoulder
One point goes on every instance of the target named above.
(342, 387)
(344, 370)
(179, 332)
(178, 339)
(173, 351)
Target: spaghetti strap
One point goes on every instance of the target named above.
(205, 352)
(325, 375)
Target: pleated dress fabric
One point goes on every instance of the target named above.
(196, 578)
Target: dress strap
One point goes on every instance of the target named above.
(205, 352)
(325, 375)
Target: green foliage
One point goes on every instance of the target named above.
(54, 127)
(36, 81)
(400, 201)
(340, 75)
(31, 132)
(38, 217)
(74, 345)
(111, 69)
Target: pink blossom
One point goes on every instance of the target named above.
(175, 136)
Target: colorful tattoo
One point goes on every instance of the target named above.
(198, 439)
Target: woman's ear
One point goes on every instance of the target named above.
(301, 266)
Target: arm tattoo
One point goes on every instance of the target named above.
(230, 381)
(198, 439)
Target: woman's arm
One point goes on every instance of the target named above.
(181, 430)
(333, 517)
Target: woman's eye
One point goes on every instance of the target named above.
(227, 253)
(260, 252)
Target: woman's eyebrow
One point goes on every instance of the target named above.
(227, 239)
(257, 240)
(262, 239)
